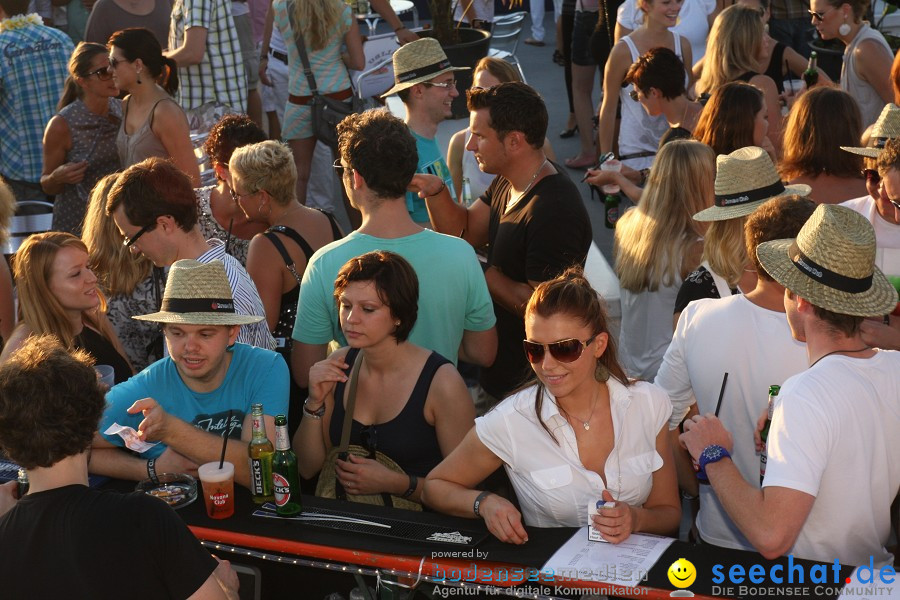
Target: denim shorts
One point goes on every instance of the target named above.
(585, 22)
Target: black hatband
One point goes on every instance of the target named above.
(826, 276)
(198, 305)
(725, 200)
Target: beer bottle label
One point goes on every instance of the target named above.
(282, 489)
(256, 471)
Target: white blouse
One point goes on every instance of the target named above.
(553, 486)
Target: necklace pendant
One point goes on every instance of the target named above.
(586, 425)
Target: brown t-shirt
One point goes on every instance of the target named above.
(107, 17)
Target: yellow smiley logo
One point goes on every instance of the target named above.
(682, 573)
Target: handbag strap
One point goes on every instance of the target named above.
(351, 402)
(301, 49)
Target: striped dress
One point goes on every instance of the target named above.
(328, 68)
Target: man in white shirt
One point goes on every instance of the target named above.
(154, 206)
(832, 468)
(746, 336)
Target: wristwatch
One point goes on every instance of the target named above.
(711, 454)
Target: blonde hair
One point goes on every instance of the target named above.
(732, 47)
(117, 269)
(39, 309)
(501, 69)
(724, 249)
(266, 166)
(653, 240)
(7, 209)
(318, 18)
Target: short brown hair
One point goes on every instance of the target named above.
(846, 325)
(229, 133)
(50, 403)
(151, 189)
(379, 147)
(777, 219)
(658, 68)
(512, 106)
(395, 281)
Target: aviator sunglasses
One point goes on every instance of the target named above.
(565, 351)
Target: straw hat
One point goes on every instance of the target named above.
(198, 294)
(418, 61)
(885, 128)
(745, 179)
(831, 263)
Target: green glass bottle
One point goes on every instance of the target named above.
(811, 74)
(764, 434)
(285, 478)
(611, 210)
(261, 452)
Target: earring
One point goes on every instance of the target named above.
(601, 373)
(139, 78)
(844, 29)
(396, 323)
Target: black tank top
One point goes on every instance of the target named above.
(407, 438)
(104, 352)
(288, 313)
(774, 70)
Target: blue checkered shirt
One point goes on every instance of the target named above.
(220, 75)
(32, 73)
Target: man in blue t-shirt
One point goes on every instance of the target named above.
(425, 83)
(200, 392)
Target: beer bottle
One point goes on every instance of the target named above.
(611, 213)
(764, 434)
(285, 478)
(260, 451)
(811, 74)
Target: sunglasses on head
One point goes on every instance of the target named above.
(565, 351)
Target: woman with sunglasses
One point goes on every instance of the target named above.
(153, 123)
(263, 181)
(411, 400)
(79, 141)
(218, 213)
(581, 433)
(639, 133)
(867, 56)
(822, 121)
(656, 245)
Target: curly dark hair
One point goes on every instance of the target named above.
(658, 68)
(512, 106)
(395, 281)
(379, 147)
(232, 131)
(153, 188)
(889, 157)
(50, 403)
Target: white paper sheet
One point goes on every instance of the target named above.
(624, 564)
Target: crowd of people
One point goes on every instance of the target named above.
(454, 330)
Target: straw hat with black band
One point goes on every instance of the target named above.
(745, 179)
(831, 263)
(198, 294)
(417, 62)
(887, 127)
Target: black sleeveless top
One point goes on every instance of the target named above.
(774, 70)
(288, 313)
(103, 351)
(407, 438)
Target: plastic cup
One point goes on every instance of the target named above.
(106, 374)
(218, 489)
(794, 86)
(611, 165)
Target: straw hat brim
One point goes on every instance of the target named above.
(723, 213)
(879, 299)
(200, 318)
(408, 84)
(868, 152)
